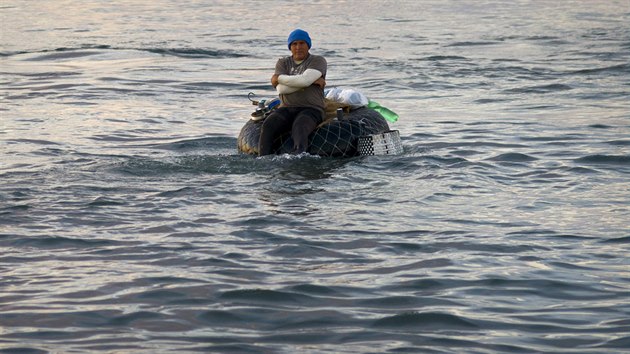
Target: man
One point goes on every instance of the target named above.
(299, 80)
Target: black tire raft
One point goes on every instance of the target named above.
(334, 137)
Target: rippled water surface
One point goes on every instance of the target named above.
(129, 223)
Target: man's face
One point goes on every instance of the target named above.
(299, 50)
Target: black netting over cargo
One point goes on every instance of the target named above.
(334, 137)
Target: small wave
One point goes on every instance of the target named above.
(491, 100)
(450, 161)
(127, 319)
(414, 320)
(614, 69)
(206, 143)
(23, 350)
(624, 240)
(471, 43)
(513, 157)
(8, 210)
(264, 296)
(605, 159)
(33, 141)
(619, 142)
(102, 201)
(46, 75)
(61, 54)
(623, 342)
(318, 290)
(581, 170)
(304, 252)
(540, 89)
(402, 302)
(55, 242)
(195, 53)
(540, 38)
(398, 20)
(216, 163)
(444, 57)
(89, 50)
(223, 318)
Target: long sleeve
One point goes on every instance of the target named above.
(286, 89)
(300, 81)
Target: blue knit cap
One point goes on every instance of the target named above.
(299, 35)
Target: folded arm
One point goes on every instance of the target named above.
(285, 89)
(304, 80)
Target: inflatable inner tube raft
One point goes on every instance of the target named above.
(334, 137)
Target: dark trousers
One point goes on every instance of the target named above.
(300, 121)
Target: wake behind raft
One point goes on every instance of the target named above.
(353, 126)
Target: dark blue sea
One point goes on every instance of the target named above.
(130, 223)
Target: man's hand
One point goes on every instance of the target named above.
(274, 80)
(320, 82)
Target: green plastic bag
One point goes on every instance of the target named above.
(384, 111)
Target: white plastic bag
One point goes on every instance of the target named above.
(351, 97)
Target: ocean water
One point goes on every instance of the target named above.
(129, 223)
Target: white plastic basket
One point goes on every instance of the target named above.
(387, 143)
